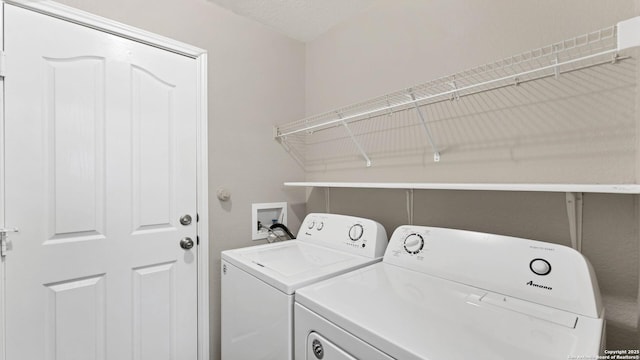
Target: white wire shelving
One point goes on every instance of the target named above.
(573, 194)
(632, 189)
(586, 51)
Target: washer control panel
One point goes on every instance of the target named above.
(540, 272)
(348, 233)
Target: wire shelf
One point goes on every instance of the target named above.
(586, 51)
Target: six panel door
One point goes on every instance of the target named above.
(100, 149)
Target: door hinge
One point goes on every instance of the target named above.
(3, 62)
(3, 239)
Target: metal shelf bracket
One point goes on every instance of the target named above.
(409, 206)
(574, 213)
(556, 61)
(285, 145)
(355, 141)
(455, 95)
(436, 153)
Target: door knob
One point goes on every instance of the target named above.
(186, 243)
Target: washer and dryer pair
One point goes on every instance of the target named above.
(438, 294)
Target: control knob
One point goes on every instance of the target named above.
(413, 243)
(355, 232)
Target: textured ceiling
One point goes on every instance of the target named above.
(300, 19)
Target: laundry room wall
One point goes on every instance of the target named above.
(256, 79)
(543, 131)
(580, 128)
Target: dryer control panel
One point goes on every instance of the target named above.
(351, 234)
(544, 273)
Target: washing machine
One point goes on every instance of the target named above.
(446, 294)
(259, 282)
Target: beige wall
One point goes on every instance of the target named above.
(399, 43)
(580, 128)
(256, 79)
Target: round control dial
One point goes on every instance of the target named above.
(311, 224)
(355, 232)
(540, 267)
(413, 243)
(320, 226)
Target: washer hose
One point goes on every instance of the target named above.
(283, 228)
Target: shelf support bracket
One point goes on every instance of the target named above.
(283, 142)
(389, 107)
(410, 206)
(355, 141)
(436, 153)
(455, 95)
(574, 212)
(327, 200)
(556, 61)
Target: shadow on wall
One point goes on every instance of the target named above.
(585, 115)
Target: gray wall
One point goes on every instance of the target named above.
(256, 79)
(581, 128)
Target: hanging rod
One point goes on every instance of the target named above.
(624, 34)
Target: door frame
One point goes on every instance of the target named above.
(83, 18)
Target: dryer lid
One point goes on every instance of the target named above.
(412, 315)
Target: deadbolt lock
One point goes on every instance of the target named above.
(185, 219)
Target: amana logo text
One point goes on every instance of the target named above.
(531, 283)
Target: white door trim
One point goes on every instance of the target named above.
(3, 317)
(67, 13)
(202, 173)
(84, 18)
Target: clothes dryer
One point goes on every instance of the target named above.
(259, 282)
(445, 294)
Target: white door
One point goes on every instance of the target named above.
(100, 158)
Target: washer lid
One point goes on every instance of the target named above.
(291, 264)
(410, 315)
